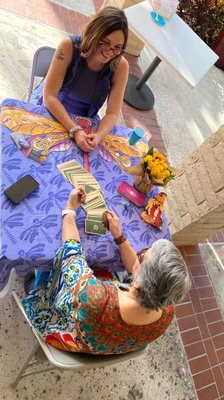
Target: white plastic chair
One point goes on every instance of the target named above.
(64, 360)
(41, 63)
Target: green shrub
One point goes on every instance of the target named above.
(205, 17)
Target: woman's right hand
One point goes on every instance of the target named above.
(76, 198)
(114, 225)
(82, 142)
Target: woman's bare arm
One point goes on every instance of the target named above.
(114, 102)
(53, 84)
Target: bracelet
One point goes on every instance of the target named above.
(64, 212)
(73, 130)
(120, 240)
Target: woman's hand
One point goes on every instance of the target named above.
(114, 225)
(82, 141)
(93, 139)
(76, 198)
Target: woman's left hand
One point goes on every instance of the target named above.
(93, 139)
(76, 198)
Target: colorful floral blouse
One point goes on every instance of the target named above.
(76, 311)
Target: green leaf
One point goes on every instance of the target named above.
(150, 151)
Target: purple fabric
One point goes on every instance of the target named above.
(31, 230)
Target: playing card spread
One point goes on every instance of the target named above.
(95, 204)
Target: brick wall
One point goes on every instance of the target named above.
(195, 204)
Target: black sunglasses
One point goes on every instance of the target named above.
(141, 253)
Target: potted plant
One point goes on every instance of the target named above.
(206, 19)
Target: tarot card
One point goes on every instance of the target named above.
(94, 227)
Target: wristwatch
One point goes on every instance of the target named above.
(64, 212)
(120, 239)
(73, 130)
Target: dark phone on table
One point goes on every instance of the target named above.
(20, 189)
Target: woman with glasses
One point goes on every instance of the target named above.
(76, 310)
(85, 71)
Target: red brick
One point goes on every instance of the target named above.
(191, 336)
(218, 341)
(194, 259)
(208, 393)
(195, 350)
(197, 270)
(211, 352)
(202, 379)
(206, 293)
(31, 11)
(3, 4)
(220, 354)
(195, 300)
(187, 323)
(209, 304)
(222, 367)
(184, 310)
(199, 364)
(202, 281)
(216, 328)
(191, 250)
(219, 379)
(203, 325)
(212, 316)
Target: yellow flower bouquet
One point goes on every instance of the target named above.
(153, 170)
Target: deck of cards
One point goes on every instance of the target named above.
(95, 204)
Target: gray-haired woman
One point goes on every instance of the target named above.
(102, 316)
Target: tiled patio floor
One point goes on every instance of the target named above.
(199, 318)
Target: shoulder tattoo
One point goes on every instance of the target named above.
(59, 55)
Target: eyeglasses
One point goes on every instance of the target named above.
(106, 47)
(140, 254)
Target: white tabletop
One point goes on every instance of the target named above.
(174, 43)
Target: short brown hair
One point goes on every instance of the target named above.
(106, 21)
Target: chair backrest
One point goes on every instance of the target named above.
(66, 360)
(41, 63)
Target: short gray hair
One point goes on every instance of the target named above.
(163, 279)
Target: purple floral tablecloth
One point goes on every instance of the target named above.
(31, 230)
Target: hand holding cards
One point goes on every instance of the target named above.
(95, 204)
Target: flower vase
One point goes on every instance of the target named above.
(143, 183)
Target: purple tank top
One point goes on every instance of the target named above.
(78, 99)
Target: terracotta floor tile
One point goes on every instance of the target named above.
(191, 336)
(218, 341)
(187, 323)
(3, 4)
(199, 364)
(191, 250)
(203, 378)
(195, 300)
(220, 355)
(209, 304)
(205, 333)
(216, 328)
(213, 315)
(222, 368)
(208, 393)
(194, 259)
(184, 310)
(206, 293)
(194, 350)
(219, 379)
(202, 281)
(211, 352)
(197, 270)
